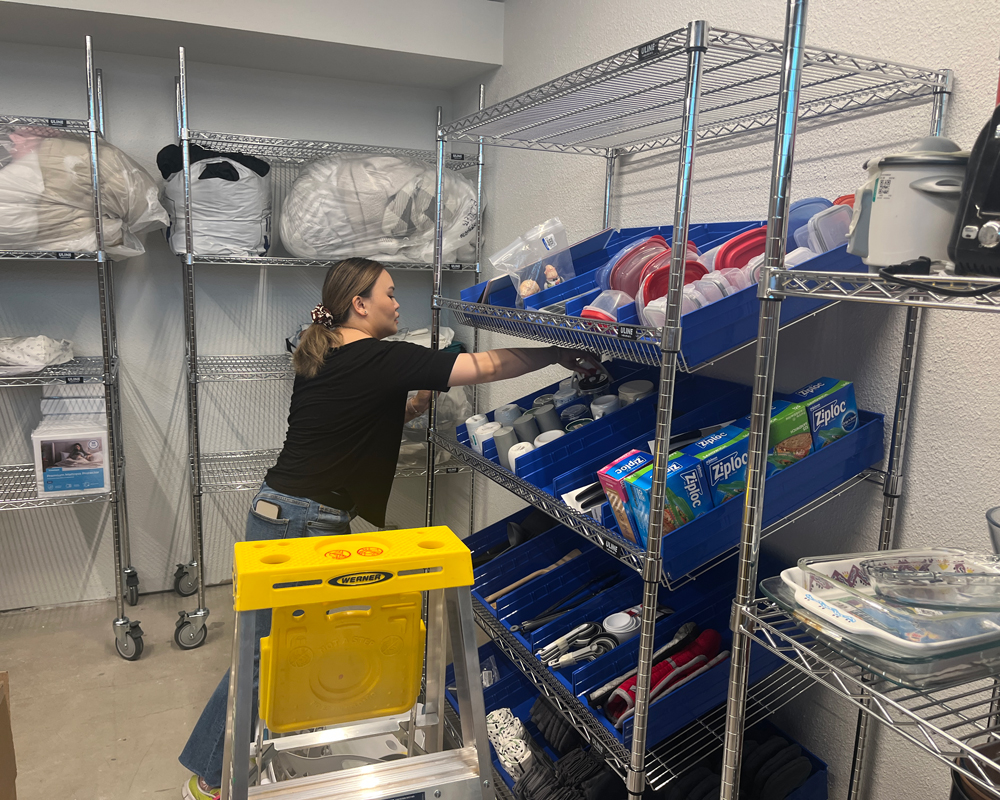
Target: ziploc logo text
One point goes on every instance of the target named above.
(722, 471)
(812, 388)
(630, 464)
(826, 414)
(693, 487)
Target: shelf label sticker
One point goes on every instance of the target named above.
(64, 254)
(628, 332)
(648, 50)
(612, 547)
(458, 156)
(451, 470)
(74, 379)
(57, 123)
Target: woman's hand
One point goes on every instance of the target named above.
(417, 405)
(571, 359)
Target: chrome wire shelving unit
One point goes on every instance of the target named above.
(18, 482)
(944, 722)
(694, 86)
(212, 473)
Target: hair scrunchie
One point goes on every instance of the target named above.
(321, 315)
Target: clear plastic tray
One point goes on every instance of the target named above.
(913, 671)
(932, 579)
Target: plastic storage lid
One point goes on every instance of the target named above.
(605, 306)
(845, 200)
(828, 229)
(799, 214)
(627, 271)
(740, 249)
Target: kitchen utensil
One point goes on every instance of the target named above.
(975, 235)
(547, 419)
(573, 412)
(536, 574)
(517, 450)
(632, 391)
(578, 423)
(548, 436)
(507, 414)
(565, 395)
(967, 582)
(483, 434)
(526, 428)
(541, 400)
(605, 404)
(504, 439)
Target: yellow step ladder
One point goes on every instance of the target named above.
(346, 654)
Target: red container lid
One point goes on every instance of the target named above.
(596, 313)
(738, 251)
(657, 283)
(845, 200)
(627, 272)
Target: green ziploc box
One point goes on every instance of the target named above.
(723, 455)
(790, 437)
(831, 408)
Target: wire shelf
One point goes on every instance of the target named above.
(216, 369)
(633, 101)
(947, 723)
(611, 542)
(871, 288)
(245, 469)
(634, 343)
(46, 255)
(302, 151)
(267, 261)
(676, 754)
(85, 369)
(19, 491)
(453, 740)
(78, 126)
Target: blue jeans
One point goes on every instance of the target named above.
(299, 517)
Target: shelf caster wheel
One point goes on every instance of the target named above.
(185, 580)
(187, 636)
(129, 646)
(132, 589)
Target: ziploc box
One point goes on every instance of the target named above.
(790, 437)
(686, 495)
(723, 455)
(612, 479)
(831, 407)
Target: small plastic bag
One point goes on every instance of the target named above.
(538, 260)
(34, 351)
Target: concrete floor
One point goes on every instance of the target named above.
(91, 726)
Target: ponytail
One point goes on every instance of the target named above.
(353, 277)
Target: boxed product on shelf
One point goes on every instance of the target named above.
(71, 455)
(789, 437)
(708, 536)
(612, 479)
(686, 495)
(723, 455)
(831, 407)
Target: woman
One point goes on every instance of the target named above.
(349, 405)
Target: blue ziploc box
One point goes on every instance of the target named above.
(687, 496)
(723, 455)
(831, 407)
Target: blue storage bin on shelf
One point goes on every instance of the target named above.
(816, 785)
(698, 401)
(537, 553)
(688, 547)
(708, 332)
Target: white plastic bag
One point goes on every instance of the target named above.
(35, 351)
(229, 217)
(46, 197)
(538, 260)
(379, 207)
(422, 336)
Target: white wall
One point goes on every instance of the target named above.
(954, 426)
(62, 555)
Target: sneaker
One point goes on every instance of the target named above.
(197, 789)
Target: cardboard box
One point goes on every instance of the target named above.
(831, 407)
(8, 768)
(723, 455)
(612, 479)
(686, 495)
(790, 438)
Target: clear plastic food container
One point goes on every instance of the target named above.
(605, 306)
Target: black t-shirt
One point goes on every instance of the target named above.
(345, 425)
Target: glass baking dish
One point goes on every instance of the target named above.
(934, 579)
